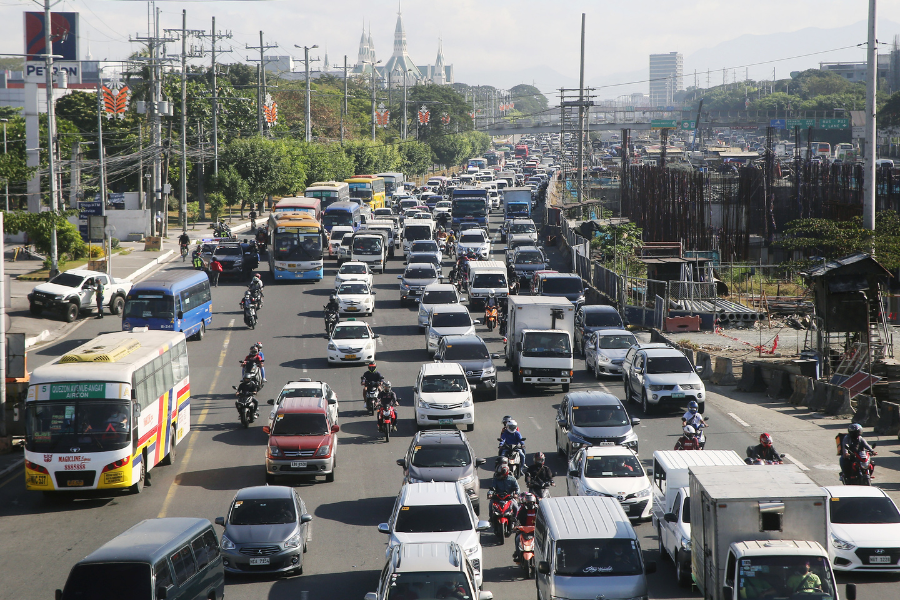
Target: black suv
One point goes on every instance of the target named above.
(472, 354)
(443, 455)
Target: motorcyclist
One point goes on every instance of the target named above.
(852, 443)
(491, 301)
(525, 517)
(693, 418)
(256, 357)
(387, 398)
(195, 258)
(689, 440)
(371, 376)
(512, 436)
(256, 284)
(331, 307)
(765, 450)
(248, 387)
(538, 475)
(505, 484)
(184, 240)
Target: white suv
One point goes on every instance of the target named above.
(436, 511)
(443, 397)
(428, 570)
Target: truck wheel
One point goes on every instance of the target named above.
(683, 573)
(565, 388)
(35, 310)
(71, 312)
(117, 305)
(663, 555)
(138, 486)
(646, 407)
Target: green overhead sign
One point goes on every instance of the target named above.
(801, 123)
(688, 125)
(834, 123)
(663, 124)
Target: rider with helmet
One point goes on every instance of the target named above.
(525, 517)
(505, 484)
(765, 450)
(538, 475)
(693, 418)
(688, 441)
(511, 435)
(256, 357)
(256, 284)
(371, 376)
(387, 398)
(852, 443)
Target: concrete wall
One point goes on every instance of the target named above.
(125, 222)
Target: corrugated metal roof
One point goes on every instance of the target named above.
(586, 517)
(837, 263)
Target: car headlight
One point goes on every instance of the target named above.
(293, 542)
(467, 403)
(423, 404)
(642, 493)
(841, 544)
(588, 491)
(526, 371)
(323, 450)
(432, 335)
(404, 286)
(467, 480)
(274, 451)
(689, 386)
(471, 551)
(603, 357)
(489, 372)
(656, 388)
(332, 347)
(227, 544)
(685, 543)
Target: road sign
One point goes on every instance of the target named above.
(834, 123)
(663, 124)
(801, 123)
(89, 209)
(777, 123)
(688, 125)
(629, 109)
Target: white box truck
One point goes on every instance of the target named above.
(759, 532)
(370, 247)
(387, 227)
(539, 341)
(671, 516)
(486, 276)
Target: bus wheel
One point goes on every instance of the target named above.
(200, 332)
(138, 486)
(169, 459)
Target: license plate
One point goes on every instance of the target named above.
(259, 561)
(352, 309)
(445, 421)
(880, 560)
(545, 379)
(678, 394)
(38, 301)
(350, 357)
(296, 464)
(37, 480)
(75, 483)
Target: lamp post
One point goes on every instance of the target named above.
(306, 50)
(5, 179)
(373, 63)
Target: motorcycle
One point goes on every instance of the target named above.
(250, 317)
(540, 490)
(525, 546)
(371, 396)
(502, 515)
(246, 406)
(753, 459)
(184, 252)
(513, 454)
(388, 418)
(862, 468)
(256, 297)
(331, 319)
(490, 317)
(699, 428)
(251, 371)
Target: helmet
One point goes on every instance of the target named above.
(511, 425)
(503, 471)
(492, 293)
(371, 367)
(693, 407)
(257, 345)
(689, 431)
(503, 460)
(258, 276)
(506, 419)
(539, 458)
(530, 499)
(254, 350)
(387, 386)
(855, 430)
(765, 439)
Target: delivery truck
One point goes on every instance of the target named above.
(539, 341)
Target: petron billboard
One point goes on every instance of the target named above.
(63, 35)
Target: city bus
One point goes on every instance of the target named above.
(393, 183)
(368, 188)
(104, 414)
(328, 192)
(170, 301)
(297, 242)
(310, 206)
(348, 214)
(478, 162)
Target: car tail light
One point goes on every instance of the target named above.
(35, 467)
(116, 465)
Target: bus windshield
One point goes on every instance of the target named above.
(361, 190)
(89, 425)
(342, 217)
(298, 246)
(469, 207)
(417, 232)
(149, 306)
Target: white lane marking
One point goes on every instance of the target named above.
(739, 420)
(533, 420)
(799, 464)
(303, 366)
(380, 341)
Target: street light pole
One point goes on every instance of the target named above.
(5, 180)
(51, 141)
(308, 117)
(373, 102)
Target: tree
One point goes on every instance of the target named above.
(415, 158)
(231, 185)
(38, 228)
(833, 239)
(214, 202)
(527, 99)
(451, 150)
(889, 114)
(262, 163)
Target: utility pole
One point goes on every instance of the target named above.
(214, 97)
(261, 81)
(580, 194)
(308, 119)
(405, 83)
(373, 102)
(51, 141)
(871, 83)
(6, 180)
(344, 103)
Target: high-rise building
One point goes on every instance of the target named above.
(666, 77)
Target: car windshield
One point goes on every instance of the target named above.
(612, 466)
(471, 238)
(350, 332)
(443, 204)
(227, 251)
(353, 288)
(868, 511)
(546, 343)
(265, 511)
(353, 269)
(432, 456)
(423, 258)
(562, 285)
(306, 392)
(337, 236)
(95, 581)
(522, 228)
(451, 319)
(420, 273)
(602, 318)
(435, 518)
(598, 558)
(427, 586)
(141, 305)
(529, 258)
(67, 280)
(489, 280)
(424, 246)
(657, 365)
(440, 297)
(367, 245)
(417, 232)
(300, 424)
(610, 415)
(469, 351)
(785, 576)
(616, 342)
(436, 384)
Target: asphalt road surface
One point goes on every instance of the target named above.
(41, 538)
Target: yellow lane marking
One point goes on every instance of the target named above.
(187, 454)
(12, 478)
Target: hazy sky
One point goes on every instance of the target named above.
(480, 38)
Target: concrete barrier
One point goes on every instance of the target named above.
(799, 387)
(819, 398)
(866, 411)
(677, 324)
(810, 391)
(724, 372)
(779, 384)
(752, 378)
(688, 353)
(838, 402)
(704, 364)
(888, 419)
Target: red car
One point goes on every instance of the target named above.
(302, 439)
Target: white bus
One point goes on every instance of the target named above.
(104, 414)
(328, 192)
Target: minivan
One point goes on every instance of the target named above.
(171, 559)
(585, 547)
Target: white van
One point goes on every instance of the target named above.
(486, 277)
(415, 230)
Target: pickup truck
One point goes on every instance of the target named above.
(72, 292)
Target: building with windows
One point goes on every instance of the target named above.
(666, 77)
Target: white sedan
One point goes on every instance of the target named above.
(306, 388)
(614, 471)
(351, 341)
(442, 207)
(355, 297)
(353, 271)
(863, 529)
(474, 240)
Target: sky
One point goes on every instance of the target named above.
(498, 42)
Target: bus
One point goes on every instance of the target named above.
(477, 162)
(348, 214)
(170, 301)
(328, 192)
(104, 414)
(297, 243)
(310, 206)
(469, 204)
(368, 188)
(393, 183)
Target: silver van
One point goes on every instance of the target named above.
(585, 547)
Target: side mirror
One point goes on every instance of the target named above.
(698, 369)
(335, 428)
(58, 595)
(518, 346)
(401, 462)
(495, 355)
(270, 402)
(266, 429)
(543, 567)
(479, 462)
(180, 315)
(485, 596)
(573, 473)
(370, 596)
(161, 593)
(305, 518)
(384, 528)
(670, 518)
(220, 521)
(727, 592)
(635, 421)
(477, 321)
(483, 526)
(851, 591)
(377, 335)
(400, 276)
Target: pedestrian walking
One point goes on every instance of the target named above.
(98, 295)
(215, 268)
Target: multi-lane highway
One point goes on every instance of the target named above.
(41, 538)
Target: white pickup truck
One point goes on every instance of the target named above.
(72, 292)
